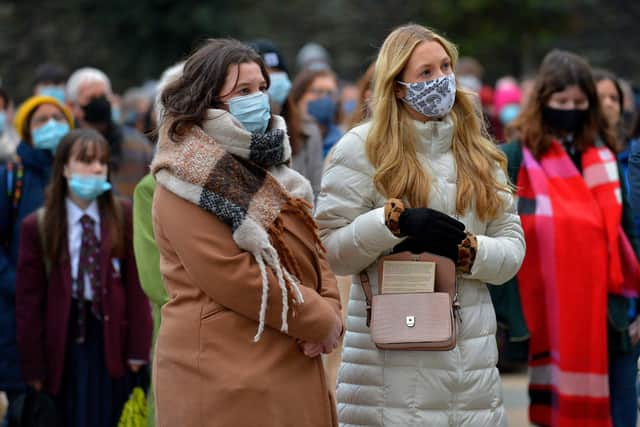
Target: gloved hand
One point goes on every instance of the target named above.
(430, 231)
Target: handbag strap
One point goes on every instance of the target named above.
(368, 294)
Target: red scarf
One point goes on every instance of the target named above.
(576, 253)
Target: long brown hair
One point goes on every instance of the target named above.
(85, 145)
(187, 99)
(362, 111)
(600, 75)
(391, 142)
(293, 118)
(559, 70)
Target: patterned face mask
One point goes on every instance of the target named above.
(433, 98)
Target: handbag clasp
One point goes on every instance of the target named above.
(411, 321)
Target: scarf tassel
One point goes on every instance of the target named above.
(289, 286)
(283, 263)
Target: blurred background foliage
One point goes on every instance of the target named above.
(134, 40)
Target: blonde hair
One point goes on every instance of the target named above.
(391, 142)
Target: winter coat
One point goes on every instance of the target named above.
(148, 262)
(634, 176)
(146, 250)
(309, 160)
(9, 140)
(37, 170)
(460, 387)
(43, 307)
(133, 165)
(208, 371)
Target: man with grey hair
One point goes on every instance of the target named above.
(89, 96)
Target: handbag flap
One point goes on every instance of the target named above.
(445, 280)
(412, 318)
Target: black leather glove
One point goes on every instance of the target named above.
(430, 231)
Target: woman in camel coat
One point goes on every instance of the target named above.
(252, 301)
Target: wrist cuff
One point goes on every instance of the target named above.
(393, 208)
(467, 250)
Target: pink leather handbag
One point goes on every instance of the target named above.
(415, 321)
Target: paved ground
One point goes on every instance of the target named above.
(514, 387)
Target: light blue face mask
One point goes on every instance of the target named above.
(48, 136)
(253, 111)
(56, 92)
(88, 187)
(280, 87)
(3, 122)
(509, 113)
(116, 115)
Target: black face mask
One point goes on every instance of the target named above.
(564, 120)
(98, 110)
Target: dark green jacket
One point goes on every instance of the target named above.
(506, 298)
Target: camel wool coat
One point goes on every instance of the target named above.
(207, 369)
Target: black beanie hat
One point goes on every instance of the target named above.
(270, 54)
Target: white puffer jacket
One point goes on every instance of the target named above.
(460, 387)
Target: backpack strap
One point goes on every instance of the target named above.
(43, 240)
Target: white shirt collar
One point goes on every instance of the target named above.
(74, 212)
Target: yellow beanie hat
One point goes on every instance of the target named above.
(28, 106)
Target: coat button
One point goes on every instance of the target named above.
(106, 317)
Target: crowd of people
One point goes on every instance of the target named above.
(193, 228)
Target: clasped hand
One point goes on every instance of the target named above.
(327, 346)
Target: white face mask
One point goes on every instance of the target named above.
(433, 98)
(471, 83)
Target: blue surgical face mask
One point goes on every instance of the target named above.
(56, 92)
(116, 115)
(88, 187)
(3, 122)
(280, 87)
(48, 136)
(131, 118)
(323, 110)
(349, 106)
(253, 111)
(509, 113)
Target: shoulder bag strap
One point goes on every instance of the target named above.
(366, 287)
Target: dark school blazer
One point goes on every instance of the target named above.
(43, 307)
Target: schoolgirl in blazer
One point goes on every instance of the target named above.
(79, 305)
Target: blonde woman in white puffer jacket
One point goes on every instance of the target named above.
(424, 145)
